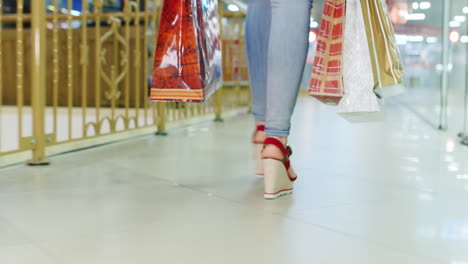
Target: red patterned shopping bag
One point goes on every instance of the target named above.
(326, 83)
(187, 63)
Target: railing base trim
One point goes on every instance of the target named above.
(39, 162)
(62, 148)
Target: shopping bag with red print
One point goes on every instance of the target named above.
(326, 83)
(187, 62)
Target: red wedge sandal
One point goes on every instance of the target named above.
(278, 180)
(258, 147)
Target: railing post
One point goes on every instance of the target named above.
(445, 61)
(219, 94)
(464, 134)
(162, 114)
(38, 62)
(219, 105)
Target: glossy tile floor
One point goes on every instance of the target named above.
(393, 192)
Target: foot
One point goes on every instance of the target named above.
(258, 138)
(279, 177)
(273, 152)
(259, 133)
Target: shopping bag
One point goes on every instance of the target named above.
(187, 62)
(385, 56)
(326, 83)
(359, 103)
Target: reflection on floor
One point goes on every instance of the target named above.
(424, 101)
(394, 192)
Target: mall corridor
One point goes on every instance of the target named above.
(392, 192)
(141, 108)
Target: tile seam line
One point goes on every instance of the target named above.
(18, 230)
(369, 181)
(31, 242)
(325, 228)
(268, 212)
(379, 244)
(417, 115)
(114, 188)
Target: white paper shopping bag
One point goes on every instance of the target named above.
(359, 104)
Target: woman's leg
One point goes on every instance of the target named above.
(288, 46)
(257, 38)
(287, 51)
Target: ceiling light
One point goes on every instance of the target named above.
(75, 13)
(454, 36)
(431, 40)
(425, 5)
(416, 16)
(233, 8)
(465, 10)
(314, 24)
(454, 24)
(415, 5)
(464, 39)
(462, 177)
(401, 39)
(312, 36)
(460, 18)
(415, 38)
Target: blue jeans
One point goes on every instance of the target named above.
(277, 43)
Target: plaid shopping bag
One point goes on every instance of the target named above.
(326, 83)
(187, 63)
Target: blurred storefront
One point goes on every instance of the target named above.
(433, 40)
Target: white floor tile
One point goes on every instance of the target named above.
(218, 232)
(10, 235)
(24, 254)
(389, 193)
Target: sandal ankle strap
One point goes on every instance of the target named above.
(257, 129)
(277, 143)
(287, 152)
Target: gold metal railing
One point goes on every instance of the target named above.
(73, 80)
